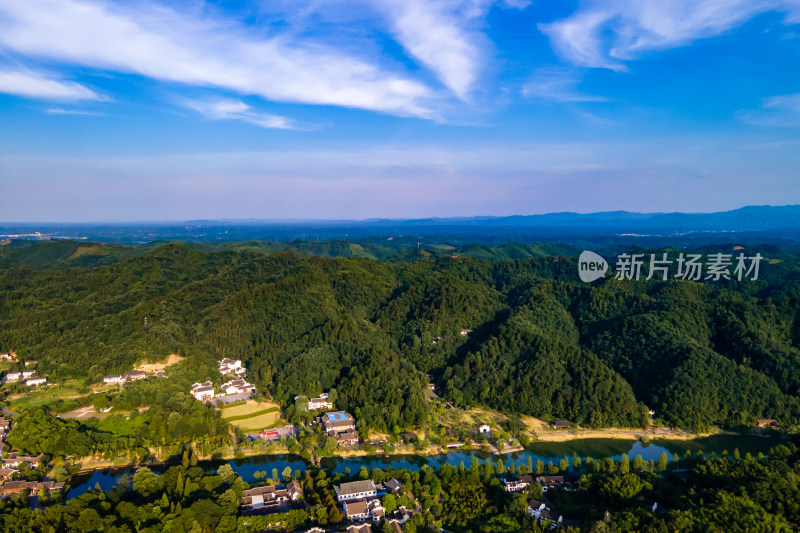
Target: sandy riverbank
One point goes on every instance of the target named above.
(627, 434)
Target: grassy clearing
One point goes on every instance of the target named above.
(258, 422)
(121, 425)
(468, 421)
(248, 408)
(58, 397)
(252, 415)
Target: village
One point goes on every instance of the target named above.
(15, 468)
(361, 502)
(24, 377)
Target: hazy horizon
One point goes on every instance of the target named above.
(351, 110)
(374, 219)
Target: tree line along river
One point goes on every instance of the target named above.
(544, 451)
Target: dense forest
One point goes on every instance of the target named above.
(542, 343)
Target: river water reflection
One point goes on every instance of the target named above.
(544, 451)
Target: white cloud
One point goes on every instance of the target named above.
(441, 38)
(557, 86)
(237, 110)
(445, 36)
(604, 34)
(61, 111)
(204, 48)
(35, 85)
(780, 111)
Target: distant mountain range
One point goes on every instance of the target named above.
(751, 218)
(764, 223)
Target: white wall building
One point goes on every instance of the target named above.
(33, 382)
(231, 366)
(203, 391)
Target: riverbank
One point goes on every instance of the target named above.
(108, 474)
(465, 421)
(626, 434)
(88, 465)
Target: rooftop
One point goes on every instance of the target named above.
(338, 416)
(354, 487)
(356, 507)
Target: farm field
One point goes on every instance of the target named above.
(154, 367)
(58, 397)
(252, 415)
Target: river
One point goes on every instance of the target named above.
(545, 451)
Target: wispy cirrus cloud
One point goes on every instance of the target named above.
(30, 84)
(605, 34)
(778, 111)
(442, 36)
(201, 47)
(62, 111)
(557, 85)
(237, 110)
(446, 36)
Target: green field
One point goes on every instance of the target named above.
(252, 415)
(60, 398)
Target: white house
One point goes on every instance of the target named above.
(362, 510)
(13, 460)
(203, 391)
(337, 421)
(356, 490)
(33, 382)
(485, 430)
(516, 483)
(321, 403)
(114, 378)
(12, 377)
(237, 386)
(535, 508)
(231, 366)
(356, 510)
(554, 518)
(551, 482)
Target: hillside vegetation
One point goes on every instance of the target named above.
(542, 343)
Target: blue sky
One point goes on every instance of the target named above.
(155, 110)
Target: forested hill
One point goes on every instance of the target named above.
(83, 254)
(542, 342)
